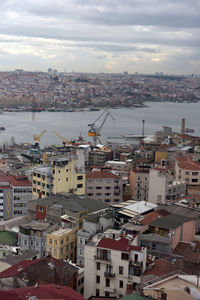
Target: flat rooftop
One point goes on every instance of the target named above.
(61, 231)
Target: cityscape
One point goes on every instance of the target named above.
(99, 150)
(53, 91)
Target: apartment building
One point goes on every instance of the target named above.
(113, 267)
(15, 193)
(61, 243)
(32, 236)
(139, 184)
(63, 175)
(165, 232)
(104, 186)
(93, 224)
(163, 188)
(187, 170)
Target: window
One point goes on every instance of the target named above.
(107, 294)
(79, 186)
(97, 292)
(98, 187)
(159, 199)
(194, 180)
(121, 284)
(80, 240)
(90, 194)
(55, 242)
(153, 246)
(80, 252)
(97, 279)
(121, 270)
(124, 256)
(107, 200)
(98, 265)
(40, 208)
(107, 282)
(195, 173)
(109, 269)
(55, 252)
(61, 242)
(79, 177)
(50, 241)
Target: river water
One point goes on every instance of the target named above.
(23, 125)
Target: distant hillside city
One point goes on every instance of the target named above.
(54, 91)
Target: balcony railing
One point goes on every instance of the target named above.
(135, 264)
(109, 274)
(102, 258)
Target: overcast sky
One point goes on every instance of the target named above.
(143, 36)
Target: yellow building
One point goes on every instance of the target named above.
(61, 243)
(160, 157)
(61, 176)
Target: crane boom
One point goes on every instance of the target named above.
(94, 130)
(62, 138)
(38, 137)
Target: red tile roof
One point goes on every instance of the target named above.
(153, 215)
(186, 163)
(120, 245)
(22, 265)
(102, 175)
(190, 251)
(43, 291)
(161, 267)
(3, 179)
(18, 180)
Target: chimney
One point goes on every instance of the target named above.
(182, 126)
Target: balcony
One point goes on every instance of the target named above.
(136, 264)
(102, 258)
(109, 275)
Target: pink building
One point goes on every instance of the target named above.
(166, 232)
(104, 186)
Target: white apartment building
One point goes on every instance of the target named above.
(163, 188)
(15, 193)
(113, 267)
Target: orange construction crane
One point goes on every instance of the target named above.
(64, 140)
(94, 130)
(38, 137)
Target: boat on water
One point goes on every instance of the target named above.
(2, 128)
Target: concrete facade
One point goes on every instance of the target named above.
(92, 225)
(139, 184)
(104, 186)
(64, 175)
(163, 188)
(112, 272)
